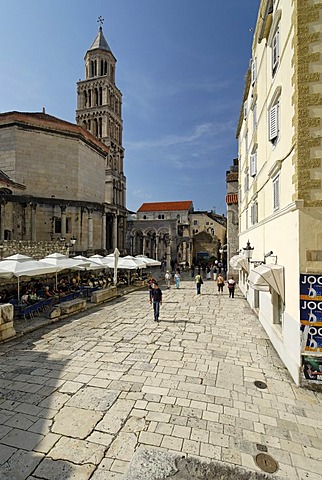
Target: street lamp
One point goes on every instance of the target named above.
(248, 251)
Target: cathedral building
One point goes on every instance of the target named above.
(60, 181)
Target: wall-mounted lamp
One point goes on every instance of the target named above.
(270, 254)
(248, 251)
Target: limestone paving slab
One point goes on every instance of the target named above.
(183, 387)
(75, 422)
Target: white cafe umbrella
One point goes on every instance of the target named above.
(130, 264)
(62, 262)
(150, 262)
(103, 261)
(88, 264)
(23, 266)
(141, 263)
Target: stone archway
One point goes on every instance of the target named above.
(205, 242)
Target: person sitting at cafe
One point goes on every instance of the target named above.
(33, 297)
(25, 298)
(4, 298)
(47, 292)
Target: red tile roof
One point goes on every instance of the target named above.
(165, 206)
(43, 120)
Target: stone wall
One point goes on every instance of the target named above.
(6, 322)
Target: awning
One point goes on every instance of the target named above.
(239, 261)
(265, 276)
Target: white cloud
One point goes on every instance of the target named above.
(199, 132)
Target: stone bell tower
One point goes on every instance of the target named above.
(99, 110)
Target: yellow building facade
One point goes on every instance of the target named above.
(280, 196)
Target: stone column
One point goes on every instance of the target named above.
(2, 216)
(63, 221)
(168, 254)
(124, 232)
(90, 230)
(115, 227)
(188, 254)
(143, 244)
(157, 239)
(184, 251)
(103, 231)
(33, 225)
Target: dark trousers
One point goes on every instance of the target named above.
(156, 309)
(198, 288)
(231, 292)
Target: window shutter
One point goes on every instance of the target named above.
(253, 165)
(253, 213)
(273, 122)
(255, 117)
(253, 71)
(276, 193)
(275, 50)
(246, 182)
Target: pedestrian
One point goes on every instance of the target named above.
(231, 287)
(208, 274)
(199, 282)
(177, 278)
(150, 282)
(220, 283)
(167, 278)
(156, 299)
(192, 270)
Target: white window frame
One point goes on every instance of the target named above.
(253, 164)
(275, 50)
(273, 122)
(255, 117)
(246, 143)
(245, 110)
(246, 181)
(246, 219)
(253, 71)
(254, 213)
(276, 192)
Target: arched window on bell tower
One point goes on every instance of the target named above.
(95, 127)
(100, 127)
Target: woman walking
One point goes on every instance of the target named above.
(177, 278)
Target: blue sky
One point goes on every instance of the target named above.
(181, 67)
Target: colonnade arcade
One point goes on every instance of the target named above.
(160, 245)
(94, 227)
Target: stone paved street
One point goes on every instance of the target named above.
(82, 399)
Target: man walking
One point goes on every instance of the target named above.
(231, 287)
(199, 282)
(156, 298)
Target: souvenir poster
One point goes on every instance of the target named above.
(312, 369)
(311, 312)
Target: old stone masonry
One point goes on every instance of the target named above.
(111, 394)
